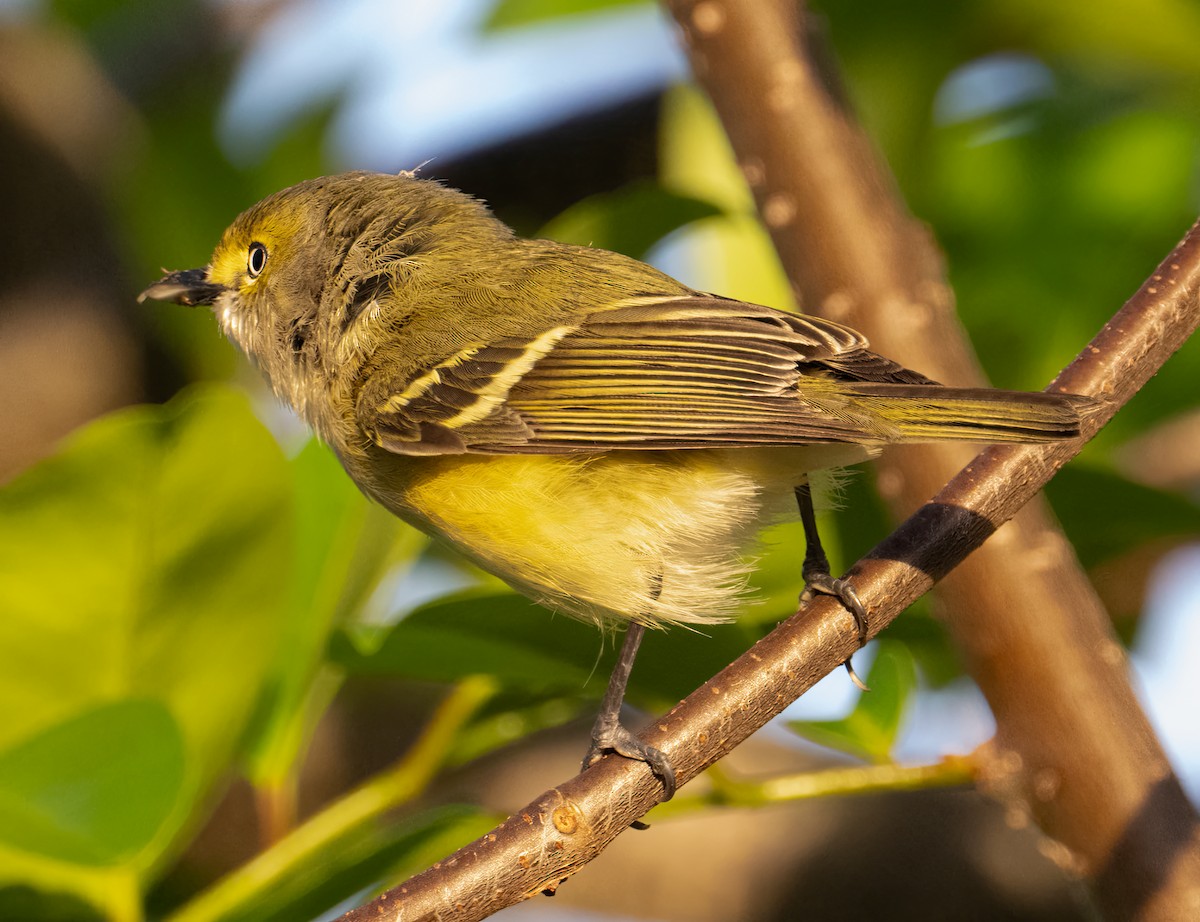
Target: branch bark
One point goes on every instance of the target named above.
(1073, 750)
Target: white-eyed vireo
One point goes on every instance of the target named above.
(598, 435)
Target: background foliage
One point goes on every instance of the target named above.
(193, 618)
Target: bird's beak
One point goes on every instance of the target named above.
(189, 287)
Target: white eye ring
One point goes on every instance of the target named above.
(256, 261)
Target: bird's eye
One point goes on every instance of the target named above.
(256, 261)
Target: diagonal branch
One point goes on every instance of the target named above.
(557, 834)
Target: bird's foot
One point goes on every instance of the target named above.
(610, 736)
(841, 590)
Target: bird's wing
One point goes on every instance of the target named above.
(677, 372)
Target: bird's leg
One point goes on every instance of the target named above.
(608, 735)
(817, 577)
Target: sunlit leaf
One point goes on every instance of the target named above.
(528, 648)
(101, 809)
(507, 14)
(144, 562)
(344, 546)
(628, 221)
(870, 730)
(371, 856)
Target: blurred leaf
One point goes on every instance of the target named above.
(98, 810)
(295, 151)
(870, 730)
(370, 856)
(1161, 34)
(928, 642)
(628, 221)
(144, 561)
(344, 545)
(506, 636)
(1135, 163)
(1105, 515)
(511, 717)
(775, 577)
(730, 254)
(381, 858)
(527, 648)
(119, 29)
(28, 905)
(507, 14)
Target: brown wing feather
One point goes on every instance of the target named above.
(676, 373)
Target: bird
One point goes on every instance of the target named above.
(602, 437)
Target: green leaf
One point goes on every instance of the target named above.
(373, 856)
(1159, 34)
(148, 560)
(512, 717)
(344, 546)
(29, 905)
(101, 809)
(507, 14)
(1105, 514)
(672, 664)
(528, 648)
(506, 636)
(630, 220)
(870, 730)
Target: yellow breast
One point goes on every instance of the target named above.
(655, 537)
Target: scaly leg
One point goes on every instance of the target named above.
(817, 577)
(608, 735)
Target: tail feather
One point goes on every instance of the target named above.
(921, 413)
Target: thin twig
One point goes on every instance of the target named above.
(725, 791)
(385, 791)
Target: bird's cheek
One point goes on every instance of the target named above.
(234, 320)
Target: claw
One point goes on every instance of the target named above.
(615, 738)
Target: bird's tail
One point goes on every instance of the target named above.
(923, 413)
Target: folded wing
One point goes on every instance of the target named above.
(689, 372)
